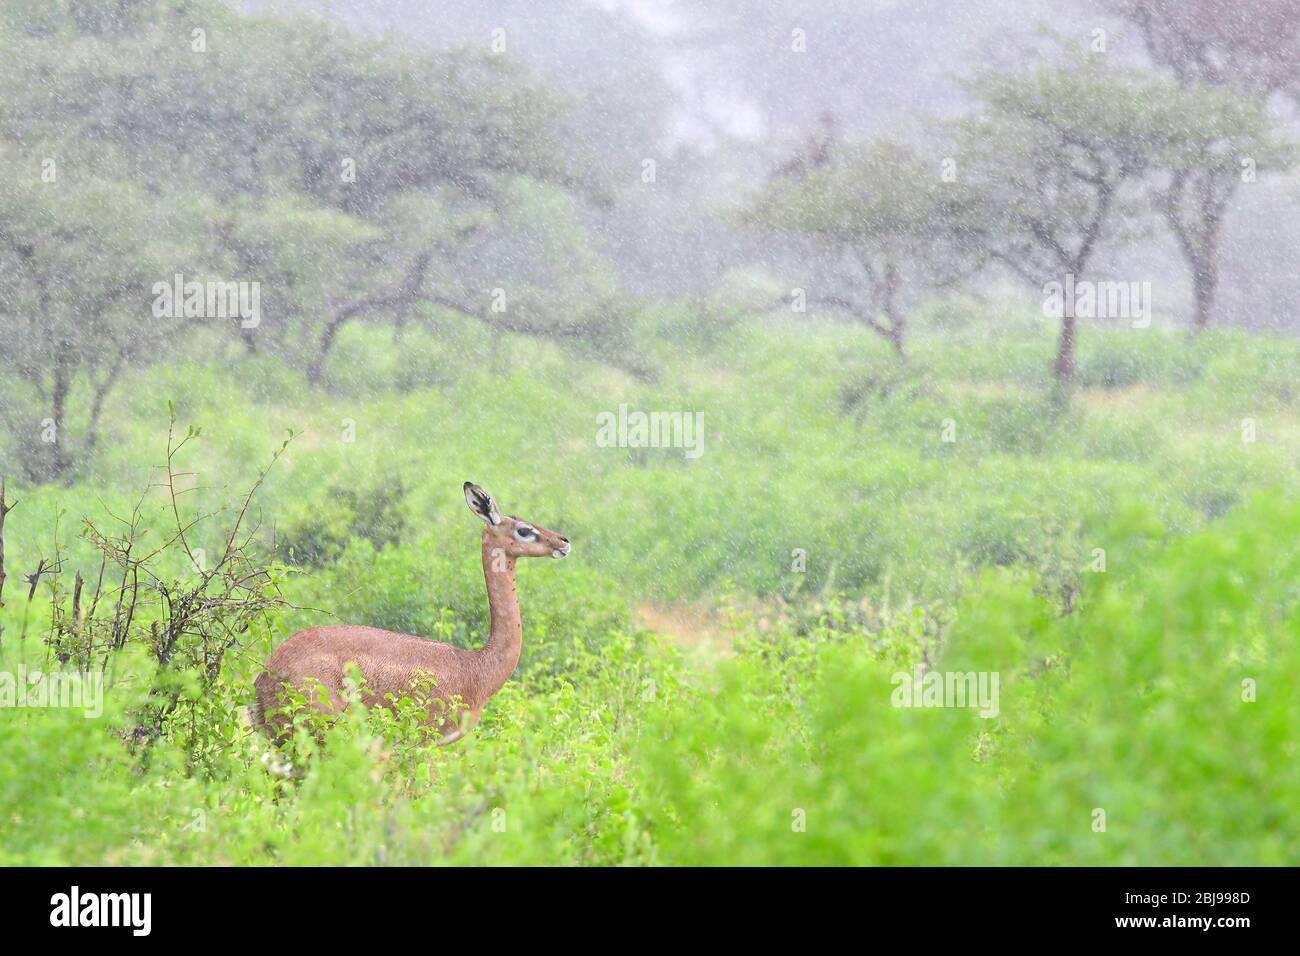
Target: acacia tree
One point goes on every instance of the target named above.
(1227, 140)
(423, 149)
(1232, 56)
(889, 214)
(1059, 156)
(76, 266)
(316, 146)
(1250, 44)
(339, 173)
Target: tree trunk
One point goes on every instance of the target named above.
(97, 407)
(5, 508)
(316, 370)
(1193, 208)
(1205, 284)
(316, 367)
(399, 300)
(897, 338)
(1064, 368)
(897, 320)
(52, 459)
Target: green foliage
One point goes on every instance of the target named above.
(320, 531)
(345, 178)
(890, 214)
(1134, 705)
(880, 193)
(1120, 689)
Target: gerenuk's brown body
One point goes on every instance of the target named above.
(315, 661)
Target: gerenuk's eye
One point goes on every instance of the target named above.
(525, 532)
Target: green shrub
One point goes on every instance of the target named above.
(1138, 705)
(314, 533)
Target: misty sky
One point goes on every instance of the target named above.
(727, 65)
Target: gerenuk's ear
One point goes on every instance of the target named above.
(482, 503)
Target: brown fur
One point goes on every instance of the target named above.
(393, 663)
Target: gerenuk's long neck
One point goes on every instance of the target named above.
(500, 655)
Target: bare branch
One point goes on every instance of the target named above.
(5, 508)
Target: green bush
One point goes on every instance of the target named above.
(312, 534)
(1138, 705)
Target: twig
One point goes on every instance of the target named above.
(5, 508)
(33, 579)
